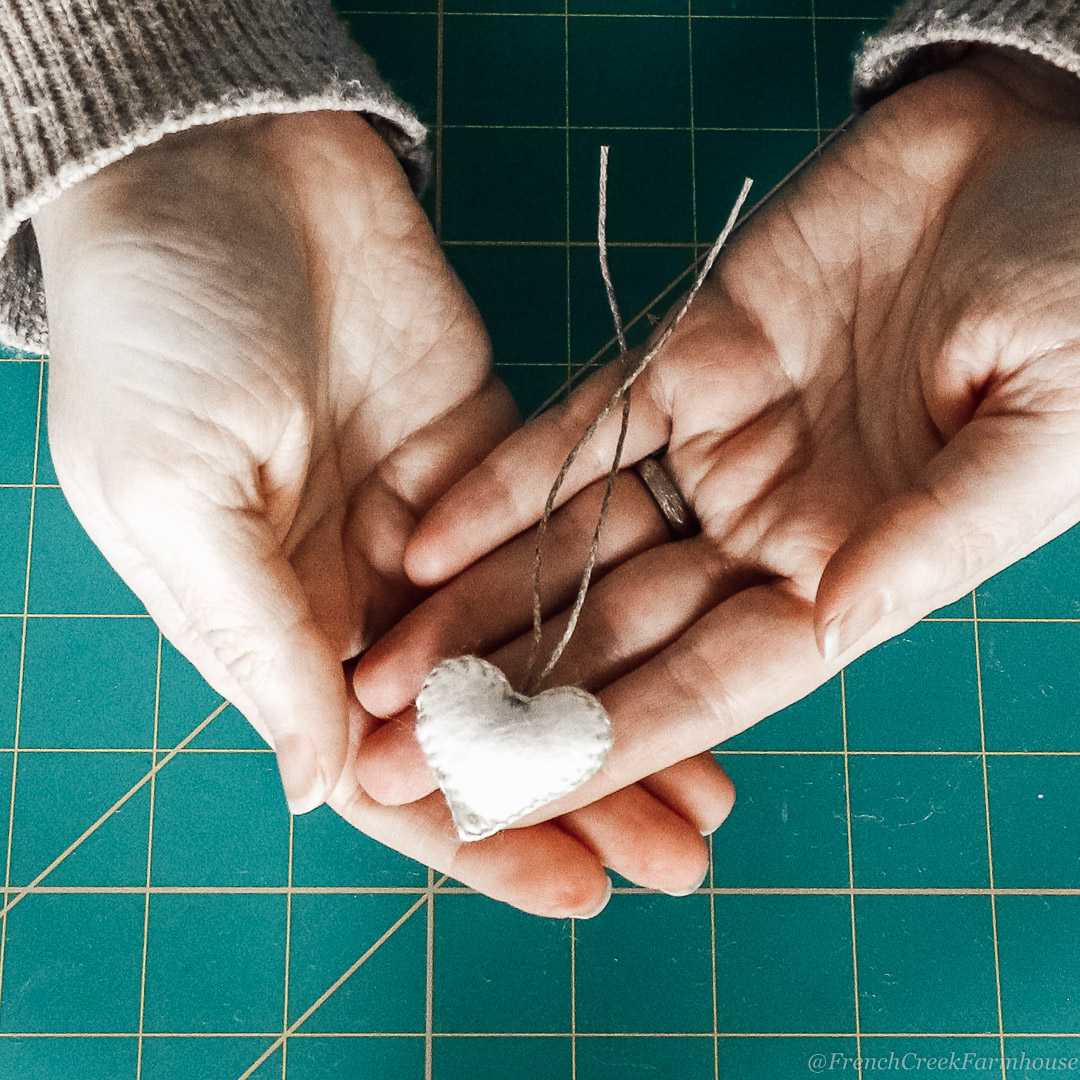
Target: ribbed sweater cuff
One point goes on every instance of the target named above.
(927, 35)
(85, 82)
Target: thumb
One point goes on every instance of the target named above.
(242, 601)
(1003, 486)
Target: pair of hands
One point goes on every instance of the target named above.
(262, 374)
(268, 390)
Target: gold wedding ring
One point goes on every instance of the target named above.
(666, 494)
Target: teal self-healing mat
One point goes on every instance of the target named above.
(900, 879)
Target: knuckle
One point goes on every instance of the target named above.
(503, 484)
(596, 455)
(569, 422)
(964, 551)
(239, 651)
(974, 550)
(707, 705)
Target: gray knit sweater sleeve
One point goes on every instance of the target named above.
(926, 35)
(85, 82)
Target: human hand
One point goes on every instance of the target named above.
(262, 372)
(260, 367)
(873, 405)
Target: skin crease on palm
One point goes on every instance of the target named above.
(873, 406)
(262, 373)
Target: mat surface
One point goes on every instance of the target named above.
(849, 910)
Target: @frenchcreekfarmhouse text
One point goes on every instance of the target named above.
(963, 1061)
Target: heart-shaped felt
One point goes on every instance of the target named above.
(497, 754)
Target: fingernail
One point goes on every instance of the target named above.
(859, 619)
(301, 774)
(603, 903)
(687, 892)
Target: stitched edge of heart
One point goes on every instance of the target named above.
(472, 826)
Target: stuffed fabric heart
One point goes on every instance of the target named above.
(497, 754)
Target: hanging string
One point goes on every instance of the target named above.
(613, 472)
(532, 679)
(601, 243)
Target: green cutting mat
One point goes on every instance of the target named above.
(856, 905)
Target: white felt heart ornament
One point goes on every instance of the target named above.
(497, 754)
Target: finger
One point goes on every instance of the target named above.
(542, 870)
(243, 600)
(642, 839)
(389, 499)
(1000, 488)
(651, 833)
(491, 602)
(506, 493)
(630, 614)
(391, 767)
(421, 467)
(745, 659)
(697, 789)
